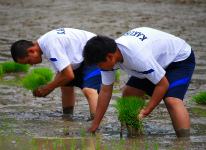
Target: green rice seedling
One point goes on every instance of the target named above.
(23, 131)
(1, 70)
(82, 133)
(128, 109)
(33, 80)
(5, 126)
(91, 135)
(34, 142)
(55, 146)
(200, 98)
(54, 139)
(14, 67)
(45, 72)
(156, 146)
(97, 146)
(31, 134)
(105, 147)
(117, 75)
(146, 147)
(15, 119)
(64, 130)
(12, 130)
(122, 141)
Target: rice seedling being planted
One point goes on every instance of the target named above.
(37, 77)
(200, 98)
(1, 70)
(128, 109)
(14, 67)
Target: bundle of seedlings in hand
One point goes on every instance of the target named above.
(128, 109)
(14, 67)
(37, 77)
(200, 99)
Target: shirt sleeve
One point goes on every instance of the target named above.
(108, 77)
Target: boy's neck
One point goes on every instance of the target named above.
(119, 57)
(37, 47)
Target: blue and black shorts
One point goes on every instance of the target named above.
(178, 75)
(86, 76)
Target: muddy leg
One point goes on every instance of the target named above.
(179, 115)
(182, 132)
(68, 99)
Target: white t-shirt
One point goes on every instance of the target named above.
(147, 53)
(64, 47)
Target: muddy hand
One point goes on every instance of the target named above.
(141, 115)
(92, 129)
(41, 91)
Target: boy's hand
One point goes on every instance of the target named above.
(92, 129)
(42, 91)
(142, 114)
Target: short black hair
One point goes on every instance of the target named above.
(97, 48)
(19, 49)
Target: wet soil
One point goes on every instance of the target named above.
(24, 114)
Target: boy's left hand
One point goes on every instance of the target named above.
(42, 91)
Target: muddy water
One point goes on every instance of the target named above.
(22, 115)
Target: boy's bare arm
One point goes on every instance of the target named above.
(63, 77)
(159, 92)
(103, 102)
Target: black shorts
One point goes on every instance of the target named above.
(86, 76)
(178, 75)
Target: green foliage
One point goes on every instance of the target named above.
(117, 75)
(1, 70)
(128, 109)
(37, 77)
(14, 67)
(33, 80)
(200, 99)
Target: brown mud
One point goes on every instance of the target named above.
(23, 19)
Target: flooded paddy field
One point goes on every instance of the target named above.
(38, 123)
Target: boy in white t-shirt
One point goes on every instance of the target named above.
(161, 66)
(63, 48)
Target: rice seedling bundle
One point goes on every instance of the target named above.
(14, 67)
(33, 80)
(37, 77)
(45, 72)
(200, 99)
(128, 109)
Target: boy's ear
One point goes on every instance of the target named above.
(30, 50)
(110, 56)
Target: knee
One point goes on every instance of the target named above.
(126, 93)
(89, 92)
(130, 91)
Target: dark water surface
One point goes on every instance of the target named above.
(24, 117)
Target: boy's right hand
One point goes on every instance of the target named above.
(141, 115)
